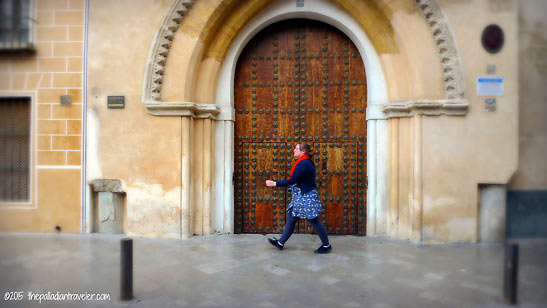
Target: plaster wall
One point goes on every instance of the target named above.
(414, 72)
(462, 152)
(57, 204)
(141, 150)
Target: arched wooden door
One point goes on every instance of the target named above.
(300, 80)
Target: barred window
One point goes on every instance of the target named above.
(16, 25)
(15, 149)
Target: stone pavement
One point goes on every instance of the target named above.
(245, 271)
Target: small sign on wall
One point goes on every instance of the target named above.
(116, 102)
(490, 86)
(66, 100)
(490, 104)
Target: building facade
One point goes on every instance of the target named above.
(42, 179)
(164, 118)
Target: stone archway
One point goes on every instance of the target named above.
(434, 17)
(376, 98)
(341, 15)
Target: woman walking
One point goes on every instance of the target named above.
(305, 201)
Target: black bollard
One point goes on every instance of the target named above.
(511, 271)
(126, 273)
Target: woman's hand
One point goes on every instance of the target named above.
(270, 183)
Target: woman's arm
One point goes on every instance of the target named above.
(298, 173)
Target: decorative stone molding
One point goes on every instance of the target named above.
(455, 103)
(426, 107)
(155, 68)
(157, 56)
(454, 83)
(446, 48)
(184, 109)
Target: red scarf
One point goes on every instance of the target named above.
(301, 158)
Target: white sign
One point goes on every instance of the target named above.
(490, 86)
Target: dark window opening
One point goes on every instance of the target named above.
(15, 149)
(16, 25)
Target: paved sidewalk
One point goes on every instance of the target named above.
(245, 271)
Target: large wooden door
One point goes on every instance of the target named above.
(300, 80)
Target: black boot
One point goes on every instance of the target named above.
(275, 243)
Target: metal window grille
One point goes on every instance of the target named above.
(16, 24)
(15, 149)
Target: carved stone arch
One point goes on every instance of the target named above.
(452, 70)
(155, 69)
(454, 103)
(446, 48)
(157, 56)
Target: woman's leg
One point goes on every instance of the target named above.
(289, 227)
(320, 229)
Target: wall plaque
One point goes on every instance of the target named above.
(490, 86)
(116, 102)
(66, 100)
(490, 104)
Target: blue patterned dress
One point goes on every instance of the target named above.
(306, 205)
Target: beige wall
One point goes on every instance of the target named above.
(532, 170)
(142, 150)
(55, 69)
(436, 163)
(462, 152)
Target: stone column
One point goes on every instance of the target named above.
(223, 188)
(197, 161)
(393, 213)
(186, 187)
(417, 201)
(202, 175)
(372, 206)
(208, 169)
(197, 177)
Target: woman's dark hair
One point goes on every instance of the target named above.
(305, 147)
